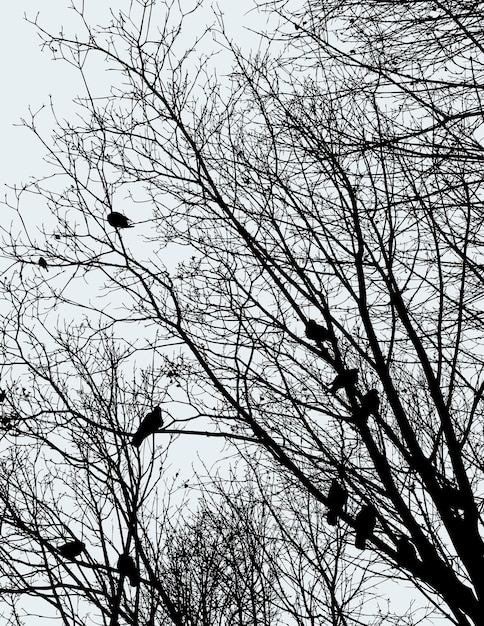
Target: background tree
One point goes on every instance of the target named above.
(75, 496)
(335, 177)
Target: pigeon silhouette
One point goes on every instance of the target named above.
(346, 378)
(43, 263)
(127, 567)
(370, 403)
(336, 500)
(71, 549)
(118, 220)
(150, 424)
(406, 550)
(316, 332)
(365, 522)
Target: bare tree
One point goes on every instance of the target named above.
(324, 205)
(96, 529)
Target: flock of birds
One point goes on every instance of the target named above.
(125, 565)
(365, 520)
(150, 424)
(346, 378)
(115, 219)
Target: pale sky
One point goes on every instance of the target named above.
(30, 76)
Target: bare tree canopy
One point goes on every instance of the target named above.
(303, 281)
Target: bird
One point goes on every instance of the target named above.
(152, 422)
(3, 396)
(336, 501)
(118, 220)
(71, 549)
(43, 263)
(406, 550)
(346, 378)
(370, 403)
(316, 332)
(127, 567)
(365, 521)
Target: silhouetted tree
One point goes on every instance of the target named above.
(336, 175)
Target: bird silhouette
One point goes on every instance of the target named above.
(406, 550)
(336, 500)
(316, 332)
(118, 220)
(370, 403)
(43, 263)
(151, 423)
(365, 522)
(71, 549)
(127, 567)
(346, 378)
(3, 396)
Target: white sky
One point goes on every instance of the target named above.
(29, 75)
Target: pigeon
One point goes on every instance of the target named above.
(43, 263)
(370, 403)
(365, 522)
(127, 567)
(316, 332)
(118, 220)
(346, 378)
(336, 501)
(71, 549)
(152, 422)
(406, 550)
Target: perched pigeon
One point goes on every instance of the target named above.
(365, 525)
(346, 378)
(118, 220)
(127, 567)
(43, 263)
(152, 422)
(406, 550)
(316, 332)
(370, 403)
(71, 549)
(337, 497)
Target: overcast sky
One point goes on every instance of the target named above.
(30, 76)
